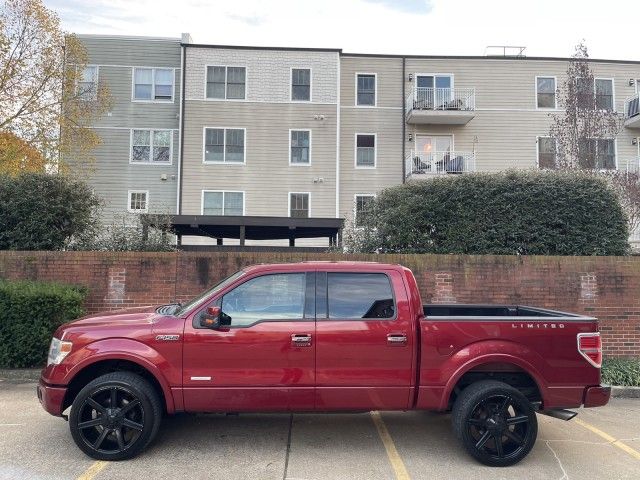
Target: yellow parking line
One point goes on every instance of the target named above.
(394, 457)
(616, 443)
(93, 470)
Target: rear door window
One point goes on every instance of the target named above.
(355, 296)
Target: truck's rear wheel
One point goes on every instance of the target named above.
(495, 422)
(115, 416)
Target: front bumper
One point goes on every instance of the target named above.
(596, 396)
(51, 398)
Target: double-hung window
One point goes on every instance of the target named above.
(597, 153)
(546, 92)
(87, 88)
(222, 203)
(153, 84)
(151, 146)
(301, 84)
(366, 89)
(300, 147)
(299, 205)
(363, 203)
(595, 93)
(138, 201)
(226, 83)
(224, 145)
(547, 152)
(365, 150)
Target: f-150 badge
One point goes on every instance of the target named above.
(168, 338)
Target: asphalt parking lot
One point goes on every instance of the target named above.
(604, 443)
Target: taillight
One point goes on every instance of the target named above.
(590, 347)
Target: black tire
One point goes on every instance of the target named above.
(495, 422)
(105, 432)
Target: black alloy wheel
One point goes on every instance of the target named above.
(496, 423)
(115, 416)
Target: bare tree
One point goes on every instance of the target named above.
(584, 131)
(46, 98)
(588, 115)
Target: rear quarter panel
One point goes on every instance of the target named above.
(546, 349)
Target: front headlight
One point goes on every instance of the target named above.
(58, 350)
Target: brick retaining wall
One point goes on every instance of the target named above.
(606, 287)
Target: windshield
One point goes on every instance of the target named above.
(200, 299)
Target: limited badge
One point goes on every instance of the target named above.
(168, 338)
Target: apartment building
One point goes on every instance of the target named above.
(294, 133)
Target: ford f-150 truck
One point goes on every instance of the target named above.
(322, 337)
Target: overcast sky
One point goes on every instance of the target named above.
(429, 27)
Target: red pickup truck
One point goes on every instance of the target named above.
(322, 337)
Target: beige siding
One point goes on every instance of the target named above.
(268, 72)
(504, 132)
(137, 51)
(267, 177)
(385, 120)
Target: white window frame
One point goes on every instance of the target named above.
(151, 135)
(615, 153)
(613, 94)
(538, 137)
(291, 69)
(555, 92)
(308, 194)
(97, 83)
(375, 92)
(224, 149)
(225, 99)
(355, 205)
(153, 86)
(147, 198)
(375, 151)
(244, 200)
(310, 147)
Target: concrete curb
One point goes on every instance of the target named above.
(625, 392)
(20, 375)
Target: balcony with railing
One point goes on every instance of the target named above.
(448, 106)
(428, 165)
(632, 112)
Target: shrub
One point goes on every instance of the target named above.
(39, 211)
(621, 371)
(29, 314)
(128, 233)
(513, 212)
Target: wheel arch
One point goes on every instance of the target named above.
(98, 365)
(502, 367)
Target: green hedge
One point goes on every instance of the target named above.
(621, 371)
(514, 212)
(29, 314)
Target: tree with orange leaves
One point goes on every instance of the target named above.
(17, 156)
(43, 100)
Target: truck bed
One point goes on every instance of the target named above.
(488, 311)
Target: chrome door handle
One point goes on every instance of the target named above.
(301, 339)
(397, 339)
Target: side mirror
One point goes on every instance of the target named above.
(211, 318)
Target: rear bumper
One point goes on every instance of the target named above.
(51, 398)
(596, 396)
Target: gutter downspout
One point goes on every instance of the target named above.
(183, 54)
(404, 123)
(338, 140)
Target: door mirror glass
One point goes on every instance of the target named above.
(211, 317)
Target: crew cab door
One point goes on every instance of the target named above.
(365, 341)
(265, 358)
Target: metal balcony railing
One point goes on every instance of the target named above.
(439, 163)
(441, 99)
(632, 106)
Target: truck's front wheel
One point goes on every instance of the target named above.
(115, 416)
(495, 422)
